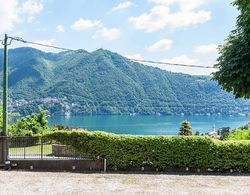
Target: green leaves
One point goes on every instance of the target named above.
(234, 60)
(240, 134)
(33, 124)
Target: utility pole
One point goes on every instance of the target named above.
(4, 153)
(5, 87)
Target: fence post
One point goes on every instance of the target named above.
(104, 165)
(24, 151)
(42, 148)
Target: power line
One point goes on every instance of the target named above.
(171, 64)
(136, 60)
(40, 44)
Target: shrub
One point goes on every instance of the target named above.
(124, 151)
(239, 134)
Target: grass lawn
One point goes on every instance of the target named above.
(47, 149)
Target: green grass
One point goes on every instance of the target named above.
(47, 149)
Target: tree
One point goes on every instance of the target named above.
(185, 128)
(1, 118)
(33, 124)
(234, 55)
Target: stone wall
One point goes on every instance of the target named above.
(63, 151)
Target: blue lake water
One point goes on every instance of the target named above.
(148, 125)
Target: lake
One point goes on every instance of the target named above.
(148, 125)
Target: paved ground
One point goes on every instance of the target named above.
(18, 183)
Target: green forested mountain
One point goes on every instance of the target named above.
(102, 82)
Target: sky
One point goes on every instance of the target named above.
(175, 31)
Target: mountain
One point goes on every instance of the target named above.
(103, 82)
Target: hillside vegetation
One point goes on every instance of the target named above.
(102, 82)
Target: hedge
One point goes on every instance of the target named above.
(125, 151)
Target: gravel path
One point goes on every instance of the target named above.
(18, 183)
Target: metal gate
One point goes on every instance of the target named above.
(26, 152)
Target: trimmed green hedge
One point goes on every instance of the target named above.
(124, 151)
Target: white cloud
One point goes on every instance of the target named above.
(8, 15)
(184, 59)
(153, 21)
(46, 42)
(59, 28)
(121, 6)
(31, 7)
(136, 56)
(13, 11)
(206, 49)
(185, 5)
(108, 33)
(162, 45)
(101, 30)
(160, 16)
(30, 19)
(83, 24)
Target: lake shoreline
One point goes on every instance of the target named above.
(147, 124)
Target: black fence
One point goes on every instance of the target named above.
(40, 148)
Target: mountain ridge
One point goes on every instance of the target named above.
(104, 82)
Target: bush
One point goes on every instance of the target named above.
(124, 151)
(239, 134)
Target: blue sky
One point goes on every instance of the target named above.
(178, 31)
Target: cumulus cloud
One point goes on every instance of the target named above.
(31, 7)
(160, 15)
(122, 6)
(136, 56)
(60, 28)
(108, 33)
(8, 15)
(185, 59)
(51, 41)
(162, 45)
(83, 24)
(206, 49)
(182, 59)
(185, 5)
(101, 30)
(14, 11)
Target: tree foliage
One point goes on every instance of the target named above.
(185, 128)
(241, 133)
(30, 125)
(234, 60)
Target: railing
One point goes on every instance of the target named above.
(40, 148)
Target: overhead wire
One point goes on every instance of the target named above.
(132, 59)
(40, 44)
(171, 64)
